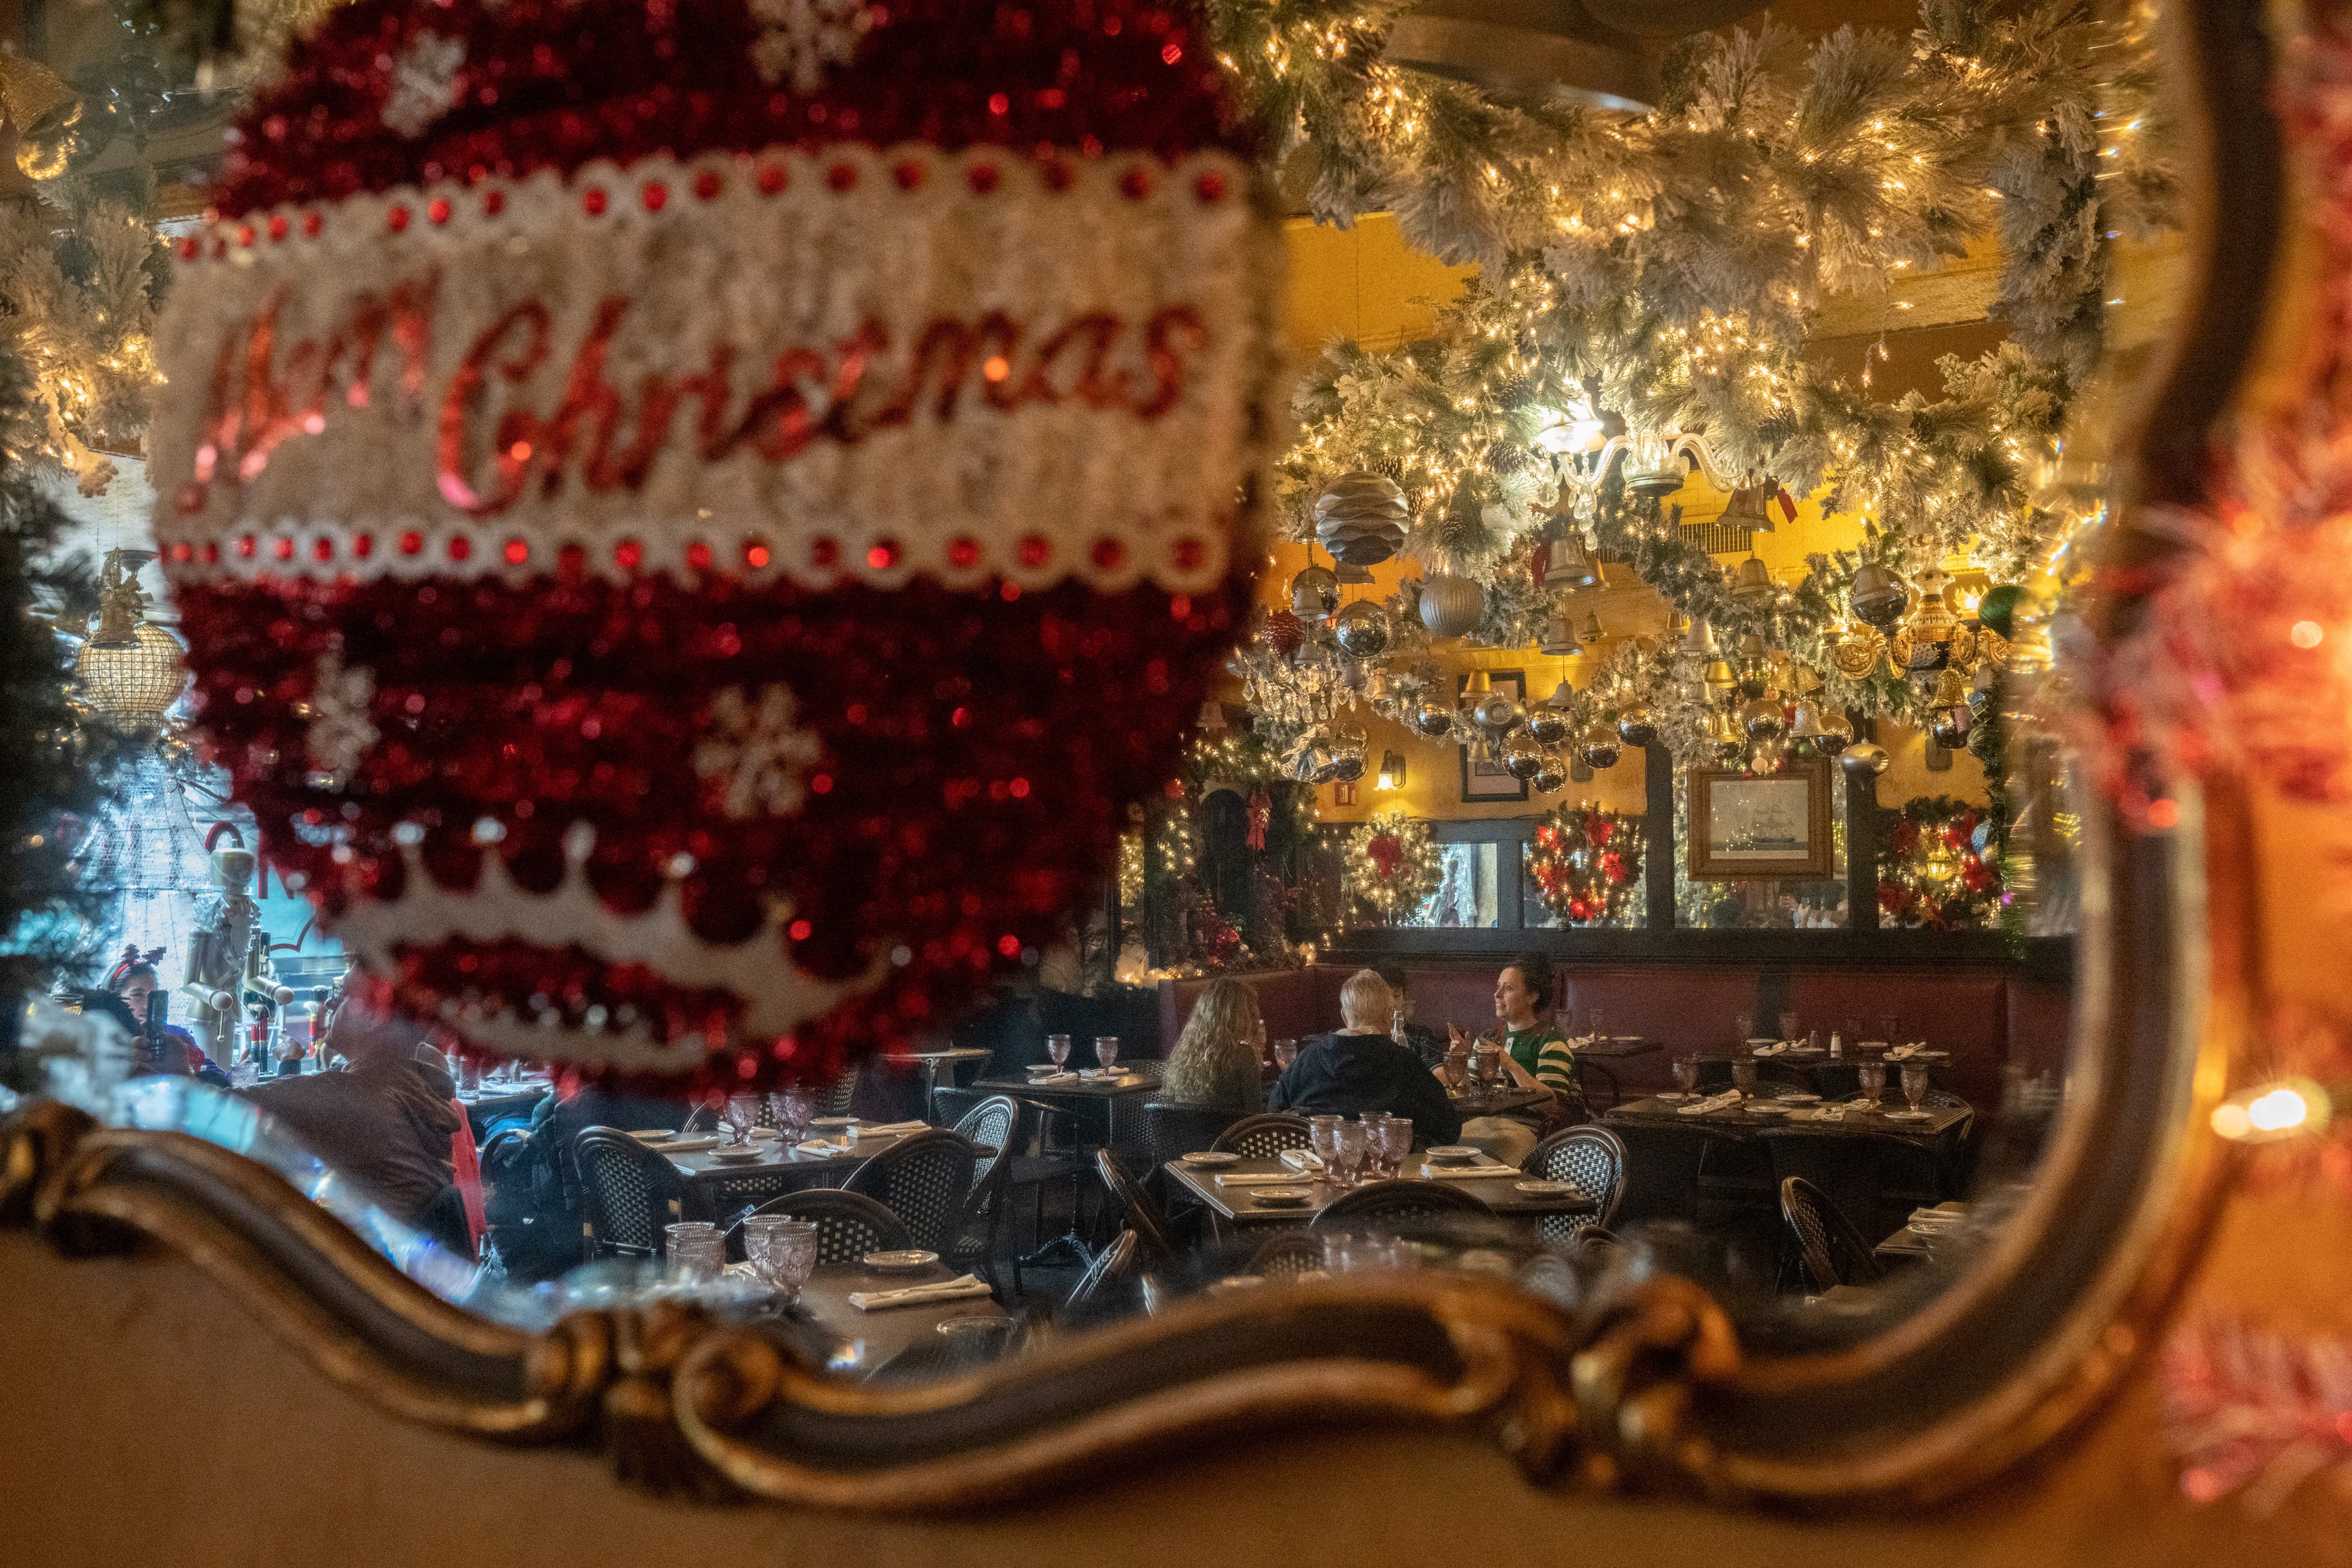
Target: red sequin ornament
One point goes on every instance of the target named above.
(598, 792)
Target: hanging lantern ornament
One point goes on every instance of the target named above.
(1361, 630)
(641, 680)
(1315, 592)
(1551, 722)
(1599, 748)
(1865, 759)
(129, 671)
(1451, 606)
(1360, 518)
(1877, 597)
(1636, 727)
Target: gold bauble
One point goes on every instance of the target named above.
(1856, 652)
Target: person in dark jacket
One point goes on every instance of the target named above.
(1360, 1068)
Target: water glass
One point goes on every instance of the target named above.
(794, 1109)
(1347, 1156)
(1107, 1050)
(1789, 1025)
(1486, 1065)
(697, 1251)
(1743, 1026)
(1319, 1136)
(1743, 1075)
(1873, 1081)
(1285, 1052)
(1057, 1046)
(1915, 1082)
(1686, 1073)
(1393, 1141)
(1594, 1025)
(741, 1110)
(1890, 1029)
(781, 1251)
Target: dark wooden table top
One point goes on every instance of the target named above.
(776, 1156)
(1495, 1102)
(1240, 1205)
(888, 1333)
(1618, 1047)
(1940, 1120)
(1142, 1078)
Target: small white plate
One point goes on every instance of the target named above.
(1670, 1096)
(1452, 1155)
(1281, 1196)
(1801, 1099)
(1544, 1188)
(659, 1134)
(1768, 1108)
(1910, 1116)
(1207, 1157)
(736, 1156)
(900, 1263)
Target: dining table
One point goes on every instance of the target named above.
(1934, 1124)
(1591, 1055)
(719, 1189)
(864, 1343)
(1499, 1101)
(932, 1061)
(1112, 1098)
(1237, 1201)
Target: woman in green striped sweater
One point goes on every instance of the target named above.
(1535, 1054)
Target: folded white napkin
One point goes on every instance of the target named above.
(1898, 1052)
(916, 1295)
(1302, 1159)
(893, 1129)
(680, 1145)
(1773, 1050)
(1265, 1178)
(822, 1146)
(1942, 1213)
(1483, 1169)
(1722, 1101)
(1820, 1113)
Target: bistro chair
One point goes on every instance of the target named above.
(1264, 1137)
(836, 1098)
(1145, 1220)
(1830, 1249)
(1112, 1265)
(924, 1180)
(992, 1124)
(1398, 1202)
(1594, 1158)
(631, 1191)
(1875, 1178)
(950, 1105)
(1170, 1130)
(1287, 1256)
(850, 1225)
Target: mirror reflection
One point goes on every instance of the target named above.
(1632, 835)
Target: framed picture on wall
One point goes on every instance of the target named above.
(1745, 827)
(1486, 779)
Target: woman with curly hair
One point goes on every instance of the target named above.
(1216, 1058)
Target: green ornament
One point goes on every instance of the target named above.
(1998, 610)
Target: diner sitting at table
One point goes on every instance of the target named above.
(1217, 1059)
(1360, 1068)
(1418, 1038)
(1535, 1055)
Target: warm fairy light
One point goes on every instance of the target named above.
(2292, 1108)
(2306, 634)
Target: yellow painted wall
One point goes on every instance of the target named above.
(1363, 283)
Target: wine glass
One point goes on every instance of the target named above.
(1107, 1050)
(1686, 1075)
(1788, 1026)
(1915, 1082)
(740, 1109)
(1743, 1075)
(794, 1109)
(1392, 1142)
(1285, 1052)
(1873, 1081)
(1486, 1065)
(1594, 1025)
(1743, 1026)
(1890, 1029)
(781, 1251)
(1319, 1136)
(1057, 1046)
(1347, 1157)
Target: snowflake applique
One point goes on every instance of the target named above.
(423, 83)
(339, 732)
(800, 37)
(756, 752)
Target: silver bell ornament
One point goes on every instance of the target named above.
(1877, 596)
(1599, 748)
(1361, 630)
(1315, 592)
(1451, 606)
(1865, 759)
(1361, 519)
(1636, 727)
(1522, 758)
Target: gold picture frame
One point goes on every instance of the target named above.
(1747, 827)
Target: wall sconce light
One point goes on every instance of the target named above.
(1391, 772)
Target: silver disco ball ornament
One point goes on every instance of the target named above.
(1315, 592)
(1552, 777)
(1522, 758)
(1432, 721)
(1636, 727)
(1598, 749)
(1764, 721)
(1949, 726)
(1877, 596)
(1361, 519)
(1362, 630)
(1548, 725)
(1348, 767)
(1865, 759)
(1451, 606)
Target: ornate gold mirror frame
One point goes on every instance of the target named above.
(1648, 1389)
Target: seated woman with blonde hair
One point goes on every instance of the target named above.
(1216, 1058)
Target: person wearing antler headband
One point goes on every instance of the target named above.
(169, 1048)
